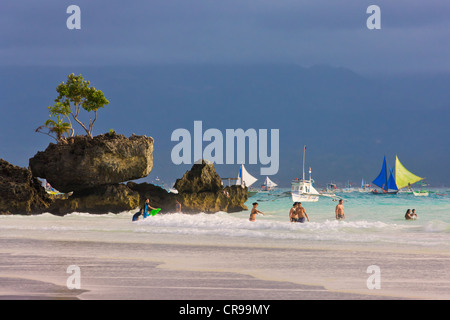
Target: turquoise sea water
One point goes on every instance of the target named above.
(369, 218)
(373, 219)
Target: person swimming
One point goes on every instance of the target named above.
(408, 215)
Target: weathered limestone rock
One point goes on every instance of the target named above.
(20, 192)
(85, 163)
(113, 198)
(201, 190)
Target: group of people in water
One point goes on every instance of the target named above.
(411, 215)
(298, 212)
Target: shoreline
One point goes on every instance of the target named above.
(225, 268)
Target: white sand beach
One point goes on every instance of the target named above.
(131, 264)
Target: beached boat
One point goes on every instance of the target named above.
(245, 179)
(268, 185)
(402, 178)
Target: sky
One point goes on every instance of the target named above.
(413, 36)
(123, 39)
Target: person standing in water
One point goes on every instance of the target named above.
(301, 213)
(340, 215)
(147, 208)
(292, 213)
(254, 212)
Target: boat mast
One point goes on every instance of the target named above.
(304, 150)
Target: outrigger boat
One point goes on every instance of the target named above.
(268, 185)
(421, 192)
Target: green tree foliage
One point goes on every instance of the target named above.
(57, 129)
(74, 95)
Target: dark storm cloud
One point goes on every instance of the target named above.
(414, 34)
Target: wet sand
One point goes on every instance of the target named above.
(184, 267)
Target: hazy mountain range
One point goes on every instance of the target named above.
(347, 121)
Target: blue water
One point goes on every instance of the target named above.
(375, 219)
(370, 219)
(361, 206)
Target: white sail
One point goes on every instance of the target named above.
(245, 179)
(269, 183)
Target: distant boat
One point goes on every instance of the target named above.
(365, 187)
(245, 179)
(330, 189)
(303, 190)
(421, 192)
(268, 185)
(348, 188)
(402, 178)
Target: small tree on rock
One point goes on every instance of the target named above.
(73, 96)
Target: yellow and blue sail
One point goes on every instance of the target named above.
(402, 177)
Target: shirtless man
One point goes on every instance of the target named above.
(340, 211)
(301, 213)
(254, 212)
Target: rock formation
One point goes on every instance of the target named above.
(201, 190)
(84, 163)
(113, 198)
(95, 169)
(20, 192)
(159, 197)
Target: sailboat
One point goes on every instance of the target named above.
(245, 179)
(402, 178)
(268, 185)
(389, 186)
(405, 178)
(303, 190)
(365, 187)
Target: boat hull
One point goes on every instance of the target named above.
(386, 192)
(299, 197)
(421, 194)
